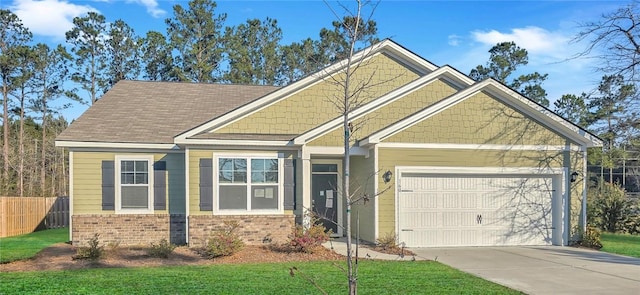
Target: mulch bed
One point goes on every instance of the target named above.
(60, 257)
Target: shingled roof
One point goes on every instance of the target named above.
(155, 112)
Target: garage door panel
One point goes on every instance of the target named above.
(461, 200)
(419, 220)
(419, 200)
(458, 219)
(475, 210)
(416, 183)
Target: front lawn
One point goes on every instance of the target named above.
(26, 246)
(376, 277)
(628, 245)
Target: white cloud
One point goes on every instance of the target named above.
(51, 18)
(454, 40)
(152, 7)
(536, 40)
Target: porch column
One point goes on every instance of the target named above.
(305, 159)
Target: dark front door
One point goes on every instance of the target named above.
(325, 198)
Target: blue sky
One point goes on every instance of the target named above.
(457, 33)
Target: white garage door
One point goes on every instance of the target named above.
(476, 210)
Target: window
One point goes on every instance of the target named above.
(134, 184)
(248, 184)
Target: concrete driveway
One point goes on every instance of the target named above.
(544, 270)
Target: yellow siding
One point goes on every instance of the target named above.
(480, 119)
(87, 181)
(194, 180)
(390, 113)
(389, 159)
(313, 106)
(577, 189)
(194, 173)
(363, 174)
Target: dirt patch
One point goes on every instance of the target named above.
(393, 250)
(60, 257)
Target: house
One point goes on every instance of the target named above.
(444, 160)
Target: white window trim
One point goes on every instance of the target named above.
(248, 211)
(118, 178)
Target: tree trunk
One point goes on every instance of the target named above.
(352, 269)
(93, 78)
(21, 146)
(43, 153)
(5, 134)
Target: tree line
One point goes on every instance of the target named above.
(38, 81)
(197, 46)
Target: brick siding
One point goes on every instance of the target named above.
(253, 229)
(130, 229)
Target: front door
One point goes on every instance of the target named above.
(324, 190)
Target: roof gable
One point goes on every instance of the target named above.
(480, 119)
(394, 106)
(387, 47)
(315, 105)
(504, 95)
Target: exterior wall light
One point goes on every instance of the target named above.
(386, 177)
(574, 176)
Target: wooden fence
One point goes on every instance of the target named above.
(23, 215)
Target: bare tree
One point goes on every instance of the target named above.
(51, 69)
(353, 94)
(615, 41)
(23, 58)
(13, 35)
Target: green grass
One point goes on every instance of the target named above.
(628, 245)
(26, 246)
(376, 277)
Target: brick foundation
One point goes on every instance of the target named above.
(129, 229)
(254, 229)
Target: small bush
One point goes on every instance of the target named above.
(307, 239)
(224, 242)
(162, 249)
(632, 225)
(591, 238)
(387, 241)
(95, 251)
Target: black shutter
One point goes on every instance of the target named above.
(160, 185)
(108, 185)
(206, 184)
(289, 184)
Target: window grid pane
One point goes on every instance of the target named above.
(134, 180)
(134, 172)
(264, 170)
(233, 184)
(232, 170)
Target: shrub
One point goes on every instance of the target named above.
(94, 252)
(608, 207)
(591, 238)
(387, 241)
(632, 225)
(307, 239)
(162, 249)
(224, 242)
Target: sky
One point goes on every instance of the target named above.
(455, 33)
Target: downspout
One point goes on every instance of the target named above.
(186, 194)
(70, 194)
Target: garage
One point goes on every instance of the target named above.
(479, 209)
